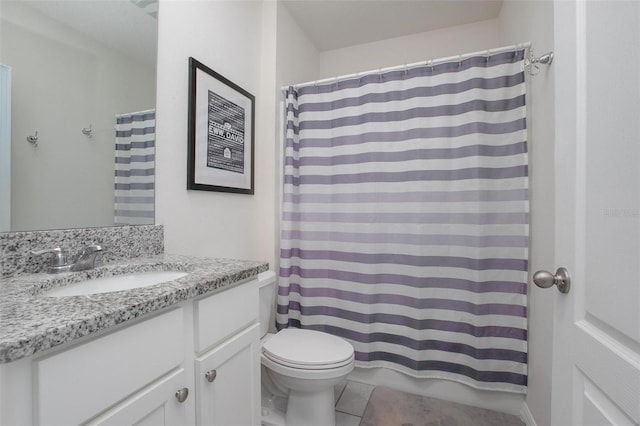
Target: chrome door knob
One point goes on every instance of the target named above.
(561, 279)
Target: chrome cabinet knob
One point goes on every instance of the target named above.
(545, 279)
(182, 394)
(211, 375)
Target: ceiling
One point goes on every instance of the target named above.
(333, 24)
(329, 24)
(128, 26)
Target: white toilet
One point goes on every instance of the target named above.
(304, 363)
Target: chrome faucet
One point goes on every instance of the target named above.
(86, 259)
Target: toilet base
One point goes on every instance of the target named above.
(311, 408)
(309, 391)
(271, 417)
(300, 408)
(273, 408)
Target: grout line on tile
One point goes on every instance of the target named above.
(354, 398)
(366, 406)
(340, 396)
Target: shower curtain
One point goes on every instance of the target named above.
(135, 168)
(405, 219)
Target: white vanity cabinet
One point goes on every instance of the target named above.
(228, 362)
(155, 371)
(73, 386)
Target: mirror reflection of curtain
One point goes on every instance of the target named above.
(135, 168)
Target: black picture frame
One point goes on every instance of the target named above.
(221, 122)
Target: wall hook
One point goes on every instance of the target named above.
(87, 132)
(33, 139)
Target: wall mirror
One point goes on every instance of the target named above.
(70, 69)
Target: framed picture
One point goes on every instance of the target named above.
(221, 133)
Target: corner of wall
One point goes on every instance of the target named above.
(526, 416)
(522, 21)
(227, 36)
(296, 62)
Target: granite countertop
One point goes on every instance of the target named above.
(31, 322)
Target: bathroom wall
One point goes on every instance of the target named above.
(413, 48)
(533, 21)
(230, 225)
(60, 83)
(258, 46)
(298, 60)
(231, 38)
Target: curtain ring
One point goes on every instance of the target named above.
(488, 55)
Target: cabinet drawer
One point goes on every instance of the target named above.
(103, 371)
(223, 314)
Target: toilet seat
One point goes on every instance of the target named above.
(308, 349)
(308, 367)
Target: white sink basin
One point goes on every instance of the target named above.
(115, 283)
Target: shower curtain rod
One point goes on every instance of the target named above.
(545, 59)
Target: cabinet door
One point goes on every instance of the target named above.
(228, 381)
(154, 405)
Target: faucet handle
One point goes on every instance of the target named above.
(93, 248)
(59, 258)
(86, 259)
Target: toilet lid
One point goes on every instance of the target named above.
(293, 346)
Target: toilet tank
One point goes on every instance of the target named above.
(267, 283)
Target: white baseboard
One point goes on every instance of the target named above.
(526, 416)
(504, 402)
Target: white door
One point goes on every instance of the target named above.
(596, 363)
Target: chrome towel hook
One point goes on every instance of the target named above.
(87, 132)
(33, 139)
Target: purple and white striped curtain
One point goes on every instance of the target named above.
(405, 219)
(135, 168)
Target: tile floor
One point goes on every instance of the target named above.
(395, 408)
(351, 401)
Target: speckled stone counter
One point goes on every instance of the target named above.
(121, 242)
(31, 323)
